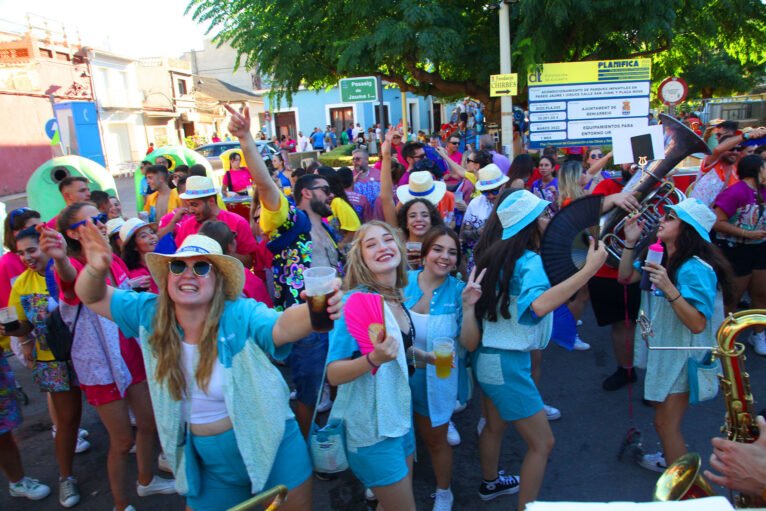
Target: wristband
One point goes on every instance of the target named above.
(674, 299)
(369, 361)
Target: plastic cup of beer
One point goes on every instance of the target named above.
(318, 282)
(413, 253)
(9, 319)
(444, 349)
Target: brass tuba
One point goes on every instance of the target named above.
(680, 142)
(681, 480)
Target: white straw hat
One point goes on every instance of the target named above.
(490, 177)
(197, 245)
(198, 187)
(131, 226)
(113, 226)
(422, 186)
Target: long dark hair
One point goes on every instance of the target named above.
(492, 230)
(500, 261)
(689, 244)
(435, 233)
(521, 168)
(436, 218)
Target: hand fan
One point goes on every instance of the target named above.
(365, 320)
(565, 242)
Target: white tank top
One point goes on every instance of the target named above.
(202, 407)
(420, 322)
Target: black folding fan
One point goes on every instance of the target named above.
(565, 242)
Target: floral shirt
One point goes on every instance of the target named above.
(289, 232)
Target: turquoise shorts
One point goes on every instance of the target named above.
(505, 377)
(224, 482)
(419, 389)
(383, 463)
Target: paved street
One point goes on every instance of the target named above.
(583, 467)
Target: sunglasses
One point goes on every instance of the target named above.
(16, 213)
(101, 218)
(597, 155)
(494, 191)
(454, 142)
(199, 268)
(325, 189)
(418, 156)
(468, 160)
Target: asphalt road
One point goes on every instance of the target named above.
(582, 467)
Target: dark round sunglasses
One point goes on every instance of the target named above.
(199, 268)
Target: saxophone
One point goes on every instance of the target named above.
(682, 479)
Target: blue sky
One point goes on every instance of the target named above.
(134, 28)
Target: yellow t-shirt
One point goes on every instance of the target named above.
(472, 178)
(273, 220)
(151, 204)
(30, 297)
(347, 218)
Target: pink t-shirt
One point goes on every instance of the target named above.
(52, 223)
(118, 269)
(245, 240)
(240, 180)
(10, 268)
(256, 289)
(144, 272)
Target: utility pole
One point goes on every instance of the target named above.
(506, 105)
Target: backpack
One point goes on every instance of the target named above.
(58, 335)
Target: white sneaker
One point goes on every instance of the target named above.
(326, 403)
(82, 445)
(580, 345)
(159, 485)
(480, 425)
(69, 495)
(459, 407)
(551, 413)
(579, 322)
(655, 462)
(162, 463)
(758, 342)
(368, 494)
(29, 488)
(453, 437)
(81, 433)
(443, 500)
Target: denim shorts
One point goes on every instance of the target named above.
(384, 463)
(306, 361)
(224, 481)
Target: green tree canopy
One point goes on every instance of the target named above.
(449, 48)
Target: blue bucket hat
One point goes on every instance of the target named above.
(695, 213)
(518, 210)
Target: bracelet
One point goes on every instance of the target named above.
(629, 248)
(676, 298)
(369, 361)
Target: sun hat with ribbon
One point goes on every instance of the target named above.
(198, 187)
(113, 226)
(490, 177)
(197, 245)
(518, 210)
(422, 186)
(695, 213)
(131, 227)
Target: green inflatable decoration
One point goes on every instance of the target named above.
(178, 155)
(43, 186)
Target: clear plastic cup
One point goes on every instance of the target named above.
(318, 283)
(444, 350)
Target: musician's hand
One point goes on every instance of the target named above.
(658, 276)
(626, 201)
(742, 467)
(633, 229)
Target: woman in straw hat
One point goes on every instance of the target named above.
(515, 310)
(685, 308)
(207, 354)
(417, 211)
(139, 239)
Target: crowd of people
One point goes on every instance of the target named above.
(180, 318)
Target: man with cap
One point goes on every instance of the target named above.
(491, 182)
(201, 199)
(299, 239)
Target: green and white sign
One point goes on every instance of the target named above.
(364, 88)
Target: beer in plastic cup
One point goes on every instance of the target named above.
(9, 319)
(444, 348)
(318, 282)
(413, 253)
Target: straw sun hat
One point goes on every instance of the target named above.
(197, 245)
(422, 186)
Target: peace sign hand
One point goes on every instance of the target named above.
(472, 289)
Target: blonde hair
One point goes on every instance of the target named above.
(165, 342)
(569, 181)
(359, 274)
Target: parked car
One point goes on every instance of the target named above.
(212, 152)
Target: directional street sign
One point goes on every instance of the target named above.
(503, 85)
(360, 89)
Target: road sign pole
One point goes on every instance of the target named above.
(405, 133)
(506, 105)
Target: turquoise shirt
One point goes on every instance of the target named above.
(373, 407)
(445, 319)
(256, 395)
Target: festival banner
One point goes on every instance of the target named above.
(579, 103)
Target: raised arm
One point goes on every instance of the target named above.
(294, 323)
(239, 126)
(387, 182)
(595, 169)
(91, 285)
(53, 244)
(470, 335)
(457, 169)
(633, 229)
